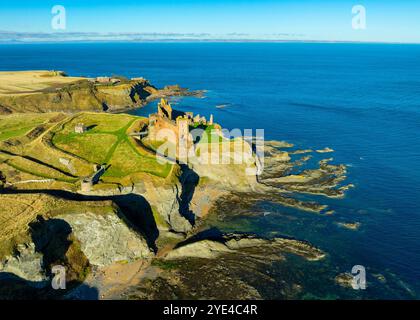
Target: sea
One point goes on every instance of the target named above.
(362, 100)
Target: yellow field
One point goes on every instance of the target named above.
(29, 82)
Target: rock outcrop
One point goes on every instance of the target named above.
(74, 234)
(26, 264)
(83, 95)
(164, 200)
(214, 247)
(44, 91)
(107, 238)
(345, 280)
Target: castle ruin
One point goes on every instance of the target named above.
(88, 182)
(176, 121)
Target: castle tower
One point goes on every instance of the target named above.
(183, 142)
(197, 119)
(86, 185)
(211, 121)
(165, 109)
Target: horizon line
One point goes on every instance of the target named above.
(22, 37)
(86, 41)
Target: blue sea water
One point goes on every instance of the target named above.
(362, 100)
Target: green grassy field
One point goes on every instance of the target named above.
(17, 125)
(127, 160)
(91, 147)
(106, 141)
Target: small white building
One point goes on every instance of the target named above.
(80, 128)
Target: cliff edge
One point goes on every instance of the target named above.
(51, 91)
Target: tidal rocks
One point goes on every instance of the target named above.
(344, 279)
(302, 151)
(325, 150)
(244, 244)
(380, 277)
(206, 249)
(177, 90)
(278, 144)
(234, 204)
(349, 225)
(240, 266)
(325, 180)
(282, 156)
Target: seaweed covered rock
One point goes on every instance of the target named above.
(213, 246)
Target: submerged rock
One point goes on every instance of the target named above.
(302, 151)
(325, 180)
(325, 150)
(344, 280)
(279, 144)
(349, 225)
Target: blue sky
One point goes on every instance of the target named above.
(388, 21)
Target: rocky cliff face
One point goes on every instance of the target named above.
(107, 238)
(84, 95)
(88, 95)
(26, 264)
(75, 235)
(154, 204)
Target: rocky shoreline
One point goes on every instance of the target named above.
(155, 228)
(169, 234)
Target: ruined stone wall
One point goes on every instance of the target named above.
(165, 109)
(163, 124)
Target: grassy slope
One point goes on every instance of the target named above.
(17, 125)
(119, 150)
(106, 141)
